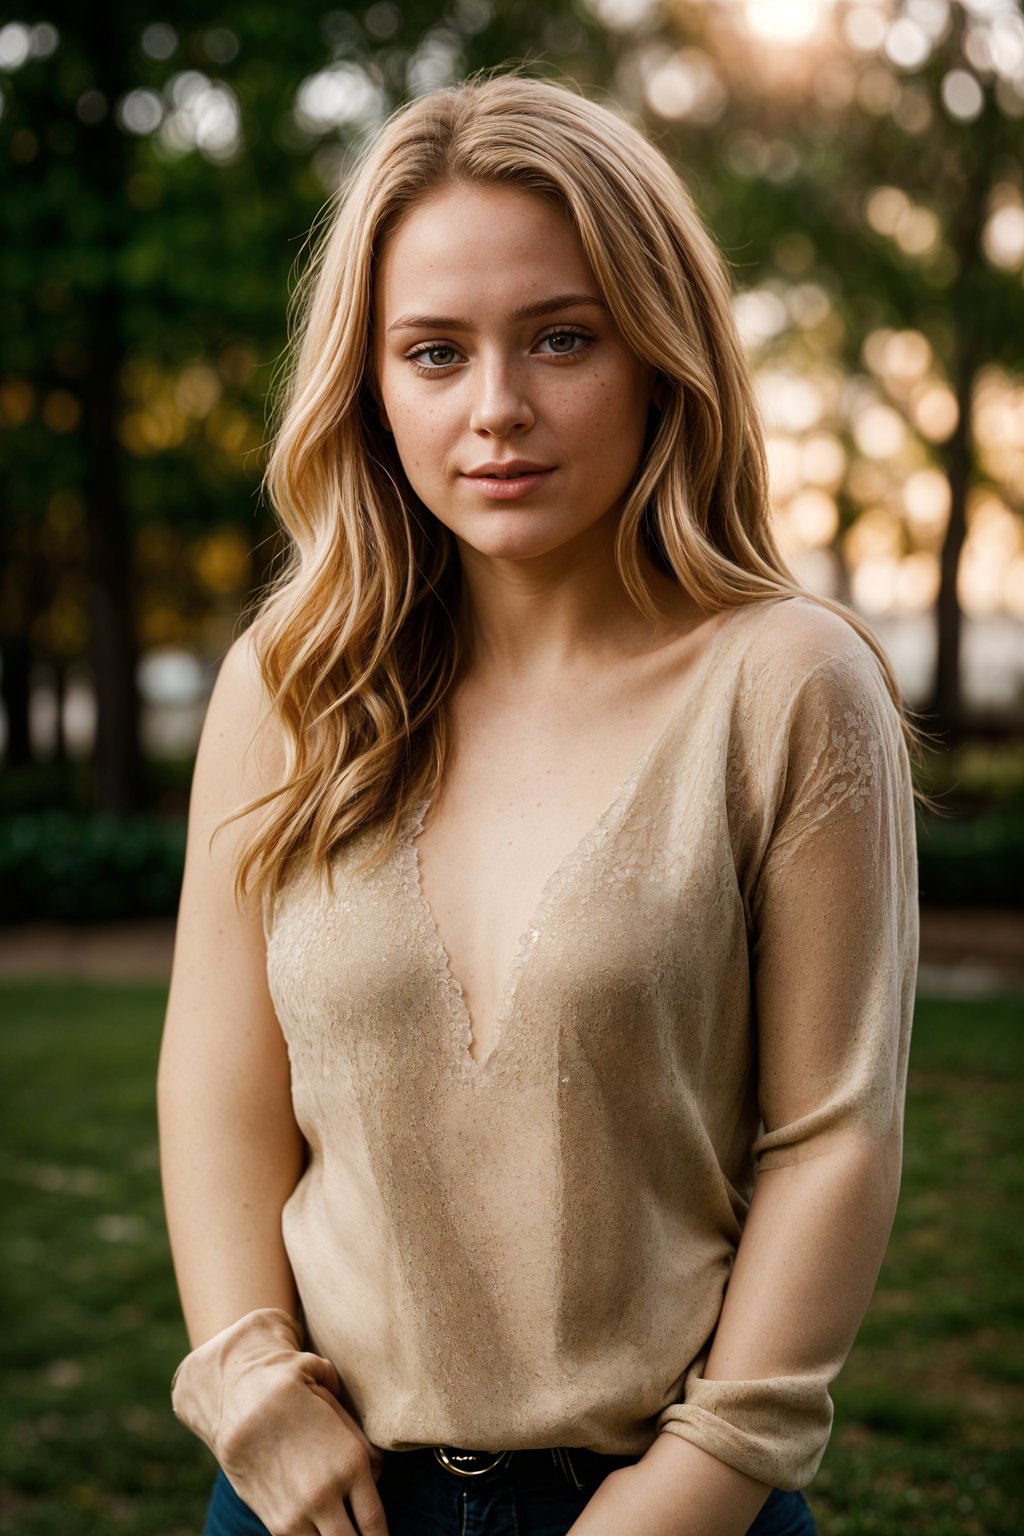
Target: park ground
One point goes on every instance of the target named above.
(964, 950)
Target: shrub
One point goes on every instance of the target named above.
(66, 867)
(974, 860)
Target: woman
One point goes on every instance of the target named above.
(456, 1216)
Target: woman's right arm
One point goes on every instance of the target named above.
(231, 1153)
(230, 1150)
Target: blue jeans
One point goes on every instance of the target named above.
(527, 1496)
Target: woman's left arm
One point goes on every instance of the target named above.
(833, 964)
(813, 1243)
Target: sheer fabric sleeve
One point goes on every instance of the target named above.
(833, 944)
(835, 922)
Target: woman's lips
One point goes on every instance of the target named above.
(511, 487)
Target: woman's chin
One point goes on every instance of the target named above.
(515, 543)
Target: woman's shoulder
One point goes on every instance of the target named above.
(800, 639)
(240, 754)
(816, 722)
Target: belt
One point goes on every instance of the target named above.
(462, 1463)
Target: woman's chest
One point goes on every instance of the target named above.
(523, 805)
(489, 848)
(585, 932)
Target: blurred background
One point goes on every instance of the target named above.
(860, 162)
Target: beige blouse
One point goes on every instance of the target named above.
(534, 1250)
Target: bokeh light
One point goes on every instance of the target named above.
(15, 46)
(684, 85)
(926, 501)
(1003, 235)
(159, 41)
(333, 97)
(786, 21)
(203, 114)
(962, 95)
(906, 44)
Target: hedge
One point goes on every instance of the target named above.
(66, 866)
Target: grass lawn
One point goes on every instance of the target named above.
(928, 1408)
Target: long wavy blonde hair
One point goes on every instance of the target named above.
(358, 636)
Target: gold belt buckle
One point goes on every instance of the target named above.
(448, 1456)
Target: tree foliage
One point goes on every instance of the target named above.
(159, 180)
(870, 158)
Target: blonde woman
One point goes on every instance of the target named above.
(532, 1086)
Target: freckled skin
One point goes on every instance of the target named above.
(507, 389)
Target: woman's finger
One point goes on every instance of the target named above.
(367, 1507)
(323, 1371)
(334, 1523)
(332, 1520)
(325, 1515)
(374, 1452)
(349, 1505)
(337, 1524)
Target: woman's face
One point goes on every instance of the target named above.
(493, 351)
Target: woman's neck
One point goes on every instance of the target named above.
(528, 622)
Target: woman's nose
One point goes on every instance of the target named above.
(500, 401)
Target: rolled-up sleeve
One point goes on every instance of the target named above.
(833, 949)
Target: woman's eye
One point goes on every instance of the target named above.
(567, 343)
(432, 360)
(431, 353)
(558, 340)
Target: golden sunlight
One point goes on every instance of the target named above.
(785, 21)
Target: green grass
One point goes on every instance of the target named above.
(93, 1329)
(926, 1435)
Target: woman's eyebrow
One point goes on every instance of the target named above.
(525, 312)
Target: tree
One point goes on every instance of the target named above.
(158, 181)
(873, 151)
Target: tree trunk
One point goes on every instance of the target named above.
(946, 702)
(111, 597)
(112, 606)
(966, 299)
(60, 693)
(16, 655)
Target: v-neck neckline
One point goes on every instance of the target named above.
(551, 892)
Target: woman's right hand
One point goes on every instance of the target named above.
(270, 1413)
